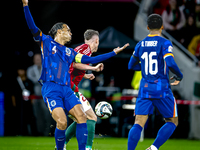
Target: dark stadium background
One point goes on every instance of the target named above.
(79, 15)
(18, 43)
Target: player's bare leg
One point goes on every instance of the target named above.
(81, 126)
(91, 115)
(91, 122)
(141, 120)
(173, 120)
(59, 116)
(78, 112)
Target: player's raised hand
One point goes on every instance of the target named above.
(89, 76)
(99, 67)
(25, 3)
(119, 49)
(176, 82)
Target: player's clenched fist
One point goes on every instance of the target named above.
(99, 67)
(25, 2)
(89, 76)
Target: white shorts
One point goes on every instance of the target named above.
(86, 105)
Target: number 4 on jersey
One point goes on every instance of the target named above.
(54, 50)
(150, 62)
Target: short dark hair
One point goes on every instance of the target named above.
(154, 21)
(90, 33)
(55, 28)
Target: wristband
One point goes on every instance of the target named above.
(177, 78)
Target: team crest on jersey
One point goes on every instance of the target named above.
(170, 48)
(53, 103)
(68, 51)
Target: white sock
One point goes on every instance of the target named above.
(153, 147)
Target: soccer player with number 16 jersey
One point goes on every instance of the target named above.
(156, 57)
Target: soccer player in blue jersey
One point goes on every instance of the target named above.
(55, 77)
(156, 57)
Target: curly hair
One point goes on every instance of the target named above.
(55, 28)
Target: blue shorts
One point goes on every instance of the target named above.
(56, 95)
(165, 106)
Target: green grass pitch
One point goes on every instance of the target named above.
(47, 143)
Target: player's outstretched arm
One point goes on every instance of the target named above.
(96, 68)
(119, 49)
(80, 58)
(30, 22)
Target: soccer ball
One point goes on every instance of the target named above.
(103, 110)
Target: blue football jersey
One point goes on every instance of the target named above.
(56, 60)
(152, 52)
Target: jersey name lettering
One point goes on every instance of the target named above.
(149, 43)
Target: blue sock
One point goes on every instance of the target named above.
(60, 138)
(134, 136)
(164, 133)
(81, 135)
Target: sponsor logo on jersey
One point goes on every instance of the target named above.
(68, 51)
(170, 48)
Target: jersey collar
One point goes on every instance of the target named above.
(152, 35)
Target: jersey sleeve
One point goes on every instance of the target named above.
(173, 67)
(134, 64)
(84, 49)
(136, 51)
(169, 59)
(167, 49)
(134, 60)
(80, 58)
(36, 32)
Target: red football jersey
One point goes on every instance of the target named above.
(77, 75)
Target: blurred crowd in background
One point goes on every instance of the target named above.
(181, 19)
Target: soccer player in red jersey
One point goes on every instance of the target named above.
(91, 38)
(55, 77)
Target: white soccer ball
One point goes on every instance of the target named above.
(103, 110)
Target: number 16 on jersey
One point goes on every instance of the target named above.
(151, 65)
